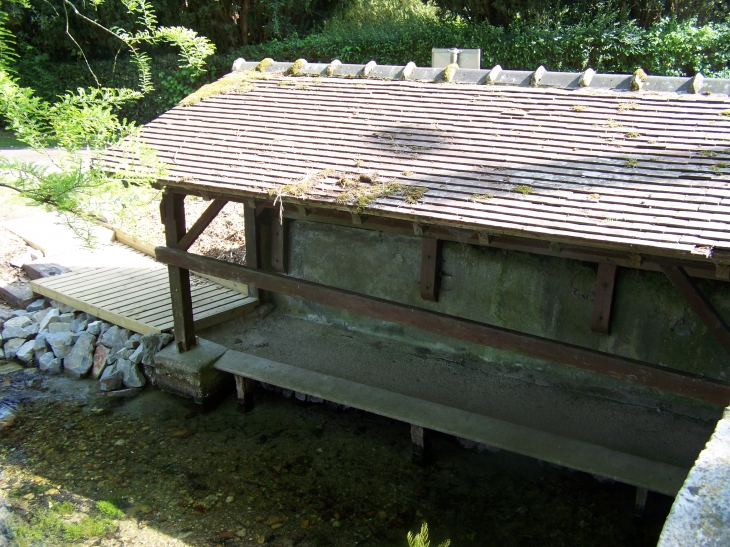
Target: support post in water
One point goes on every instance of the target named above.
(640, 505)
(172, 211)
(244, 393)
(420, 445)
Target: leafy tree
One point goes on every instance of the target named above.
(82, 124)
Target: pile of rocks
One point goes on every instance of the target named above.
(57, 338)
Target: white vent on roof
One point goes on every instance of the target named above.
(465, 58)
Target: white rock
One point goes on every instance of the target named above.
(19, 321)
(53, 328)
(25, 352)
(61, 343)
(94, 328)
(12, 346)
(132, 376)
(78, 362)
(50, 317)
(111, 380)
(48, 363)
(37, 305)
(66, 317)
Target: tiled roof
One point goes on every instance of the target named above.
(545, 158)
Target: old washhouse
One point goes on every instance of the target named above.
(565, 238)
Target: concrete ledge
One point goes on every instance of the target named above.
(700, 515)
(627, 468)
(191, 374)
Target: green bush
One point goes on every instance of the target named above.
(602, 42)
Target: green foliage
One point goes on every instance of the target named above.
(421, 539)
(49, 527)
(604, 41)
(109, 509)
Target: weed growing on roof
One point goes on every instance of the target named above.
(264, 64)
(707, 153)
(481, 197)
(594, 197)
(450, 72)
(522, 189)
(407, 173)
(632, 135)
(625, 107)
(721, 165)
(299, 188)
(610, 122)
(632, 162)
(361, 195)
(287, 82)
(236, 82)
(578, 107)
(296, 68)
(725, 113)
(413, 193)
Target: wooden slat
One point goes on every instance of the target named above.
(278, 243)
(616, 367)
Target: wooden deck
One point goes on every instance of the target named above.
(138, 297)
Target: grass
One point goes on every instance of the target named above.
(50, 527)
(523, 189)
(8, 140)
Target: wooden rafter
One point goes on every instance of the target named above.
(613, 366)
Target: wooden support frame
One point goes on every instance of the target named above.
(700, 304)
(244, 393)
(201, 224)
(278, 243)
(430, 268)
(172, 208)
(704, 269)
(603, 304)
(253, 242)
(613, 366)
(421, 445)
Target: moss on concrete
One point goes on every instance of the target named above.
(545, 296)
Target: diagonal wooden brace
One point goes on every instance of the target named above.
(700, 304)
(201, 224)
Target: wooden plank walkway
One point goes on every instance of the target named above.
(137, 297)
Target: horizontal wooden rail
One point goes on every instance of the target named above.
(613, 366)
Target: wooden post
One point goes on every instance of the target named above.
(601, 320)
(278, 243)
(640, 503)
(253, 242)
(420, 445)
(430, 267)
(244, 393)
(173, 216)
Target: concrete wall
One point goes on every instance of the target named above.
(545, 296)
(700, 516)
